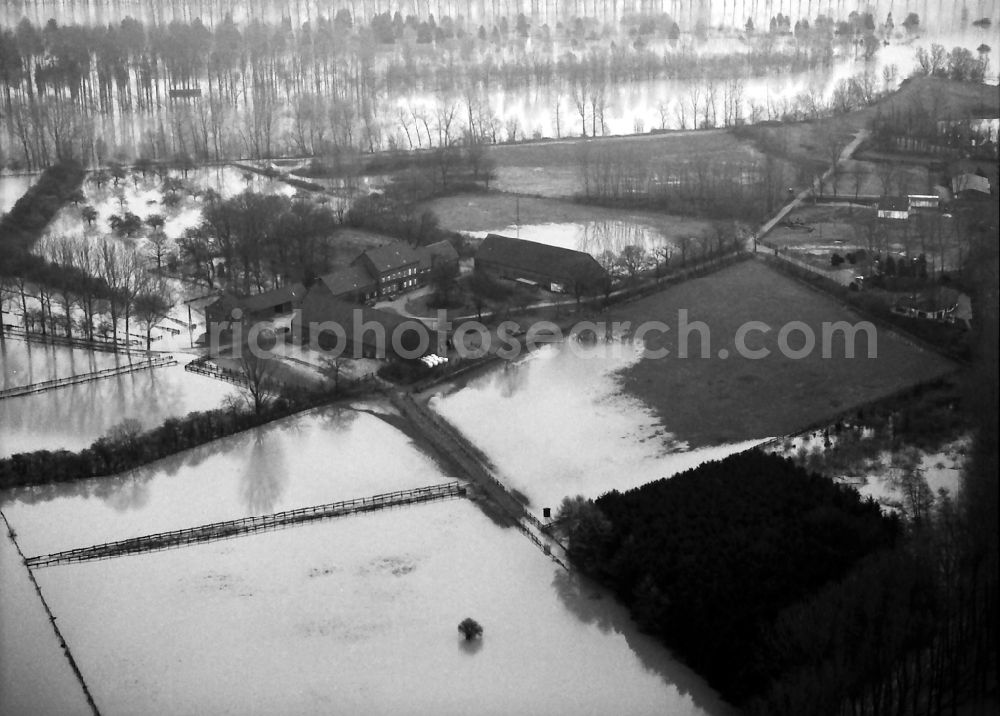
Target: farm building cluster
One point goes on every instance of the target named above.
(337, 311)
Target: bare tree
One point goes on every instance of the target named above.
(632, 259)
(158, 244)
(259, 385)
(151, 306)
(887, 174)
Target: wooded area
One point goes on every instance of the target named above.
(331, 85)
(791, 594)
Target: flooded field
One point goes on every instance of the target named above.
(313, 458)
(558, 424)
(12, 188)
(359, 615)
(593, 237)
(26, 362)
(885, 477)
(72, 417)
(35, 676)
(144, 196)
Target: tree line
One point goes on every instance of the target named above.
(262, 90)
(74, 286)
(126, 446)
(700, 186)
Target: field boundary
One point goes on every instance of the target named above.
(816, 281)
(52, 620)
(246, 525)
(154, 362)
(839, 416)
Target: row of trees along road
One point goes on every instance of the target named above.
(265, 89)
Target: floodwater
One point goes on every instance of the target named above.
(35, 676)
(26, 362)
(143, 196)
(629, 107)
(557, 424)
(356, 614)
(72, 417)
(883, 478)
(359, 615)
(313, 458)
(12, 188)
(943, 17)
(592, 237)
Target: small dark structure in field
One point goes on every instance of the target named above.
(470, 629)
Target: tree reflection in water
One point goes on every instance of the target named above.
(598, 237)
(265, 477)
(470, 646)
(591, 603)
(128, 491)
(511, 379)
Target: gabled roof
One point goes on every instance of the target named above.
(319, 306)
(970, 182)
(276, 297)
(222, 304)
(391, 257)
(438, 251)
(348, 280)
(932, 300)
(531, 256)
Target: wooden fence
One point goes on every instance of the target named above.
(156, 362)
(247, 525)
(202, 366)
(58, 340)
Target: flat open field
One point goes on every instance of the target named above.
(358, 616)
(551, 168)
(711, 399)
(490, 212)
(861, 178)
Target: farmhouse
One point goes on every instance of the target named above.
(440, 252)
(220, 308)
(277, 302)
(354, 331)
(552, 267)
(937, 304)
(353, 284)
(394, 267)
